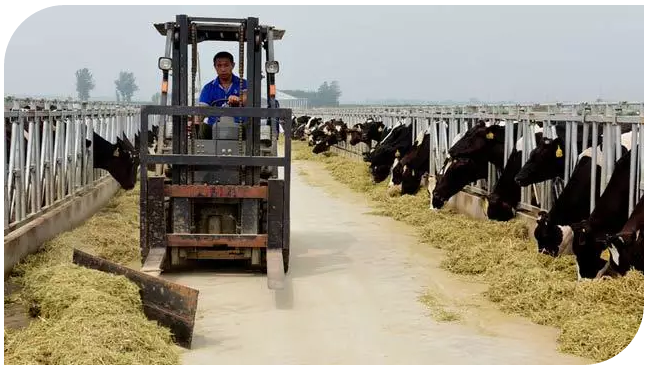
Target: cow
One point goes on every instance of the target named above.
(587, 237)
(573, 204)
(626, 248)
(455, 175)
(298, 126)
(480, 145)
(117, 159)
(503, 200)
(481, 140)
(547, 160)
(408, 171)
(384, 133)
(399, 140)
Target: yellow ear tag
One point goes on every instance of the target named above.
(559, 153)
(397, 153)
(116, 153)
(412, 172)
(605, 255)
(490, 136)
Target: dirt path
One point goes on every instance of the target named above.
(353, 297)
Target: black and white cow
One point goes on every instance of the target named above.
(608, 217)
(381, 158)
(547, 160)
(586, 239)
(573, 204)
(503, 200)
(118, 159)
(455, 175)
(409, 171)
(482, 140)
(626, 248)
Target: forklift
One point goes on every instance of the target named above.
(224, 199)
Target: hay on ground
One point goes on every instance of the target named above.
(597, 319)
(85, 316)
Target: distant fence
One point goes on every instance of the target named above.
(445, 122)
(46, 159)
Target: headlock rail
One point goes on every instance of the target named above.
(579, 125)
(49, 151)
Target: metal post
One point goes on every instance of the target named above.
(593, 171)
(633, 170)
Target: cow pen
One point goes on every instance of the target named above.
(445, 122)
(51, 187)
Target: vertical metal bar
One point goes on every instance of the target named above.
(568, 149)
(639, 191)
(37, 169)
(574, 154)
(633, 170)
(29, 165)
(20, 186)
(617, 140)
(593, 171)
(57, 160)
(12, 171)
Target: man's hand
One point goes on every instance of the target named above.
(233, 101)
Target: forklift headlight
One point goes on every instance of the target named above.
(272, 67)
(164, 63)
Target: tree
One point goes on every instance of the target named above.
(84, 83)
(126, 85)
(155, 98)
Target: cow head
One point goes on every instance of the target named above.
(372, 130)
(379, 173)
(499, 209)
(621, 247)
(477, 140)
(592, 262)
(396, 170)
(117, 159)
(456, 174)
(546, 161)
(354, 135)
(410, 181)
(552, 239)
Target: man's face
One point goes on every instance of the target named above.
(224, 67)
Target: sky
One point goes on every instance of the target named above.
(430, 53)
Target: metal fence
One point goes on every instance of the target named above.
(46, 159)
(445, 122)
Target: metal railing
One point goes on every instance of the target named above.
(445, 122)
(46, 158)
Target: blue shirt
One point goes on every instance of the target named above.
(213, 94)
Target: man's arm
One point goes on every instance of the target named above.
(203, 101)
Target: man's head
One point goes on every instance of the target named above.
(224, 64)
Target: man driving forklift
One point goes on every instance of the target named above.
(223, 91)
